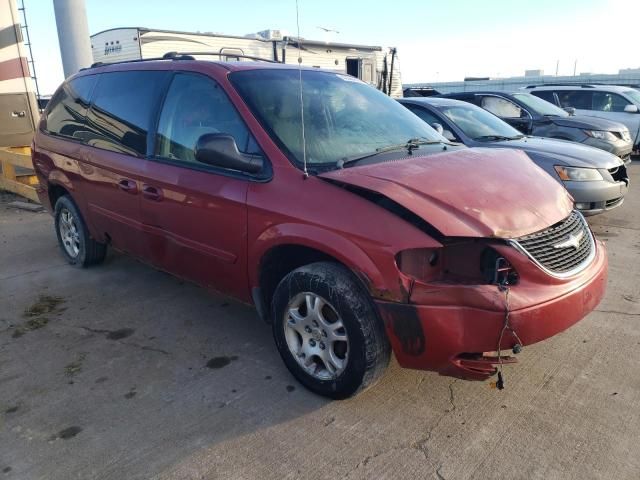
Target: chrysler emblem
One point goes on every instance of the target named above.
(572, 240)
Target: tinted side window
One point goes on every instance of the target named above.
(501, 107)
(123, 108)
(579, 99)
(196, 105)
(65, 115)
(545, 95)
(609, 102)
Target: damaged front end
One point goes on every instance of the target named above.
(473, 300)
(512, 263)
(463, 271)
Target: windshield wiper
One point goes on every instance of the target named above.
(410, 145)
(497, 138)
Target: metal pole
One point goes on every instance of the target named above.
(73, 35)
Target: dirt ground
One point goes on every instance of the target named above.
(124, 372)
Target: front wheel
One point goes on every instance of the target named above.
(327, 330)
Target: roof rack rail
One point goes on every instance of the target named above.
(181, 56)
(568, 84)
(103, 64)
(189, 56)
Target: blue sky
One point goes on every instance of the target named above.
(436, 40)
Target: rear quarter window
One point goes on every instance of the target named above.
(123, 108)
(65, 114)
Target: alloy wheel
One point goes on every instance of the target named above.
(316, 336)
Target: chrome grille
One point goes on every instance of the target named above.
(562, 249)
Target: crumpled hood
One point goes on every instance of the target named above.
(588, 123)
(563, 152)
(476, 192)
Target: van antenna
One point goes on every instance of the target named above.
(304, 142)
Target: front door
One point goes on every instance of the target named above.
(605, 105)
(196, 214)
(612, 107)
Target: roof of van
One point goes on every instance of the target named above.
(173, 64)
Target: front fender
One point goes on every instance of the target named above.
(379, 274)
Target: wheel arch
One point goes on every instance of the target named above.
(284, 248)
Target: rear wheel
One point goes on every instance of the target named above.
(73, 236)
(327, 330)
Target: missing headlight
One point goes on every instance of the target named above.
(497, 269)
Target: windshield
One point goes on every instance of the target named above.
(541, 106)
(343, 117)
(477, 123)
(633, 95)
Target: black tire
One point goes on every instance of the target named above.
(90, 252)
(368, 346)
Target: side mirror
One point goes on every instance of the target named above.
(448, 134)
(437, 127)
(220, 150)
(570, 110)
(631, 108)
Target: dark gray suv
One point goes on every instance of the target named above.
(534, 116)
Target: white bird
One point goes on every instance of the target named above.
(328, 30)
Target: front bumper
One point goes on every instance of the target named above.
(596, 197)
(453, 324)
(619, 148)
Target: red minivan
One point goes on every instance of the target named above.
(355, 232)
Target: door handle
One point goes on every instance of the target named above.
(20, 114)
(128, 186)
(152, 193)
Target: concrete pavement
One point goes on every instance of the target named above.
(121, 371)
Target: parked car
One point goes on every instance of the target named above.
(617, 103)
(534, 116)
(597, 180)
(368, 233)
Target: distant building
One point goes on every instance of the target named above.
(534, 73)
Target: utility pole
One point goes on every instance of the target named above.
(557, 66)
(575, 65)
(73, 35)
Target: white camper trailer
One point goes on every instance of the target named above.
(378, 66)
(18, 107)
